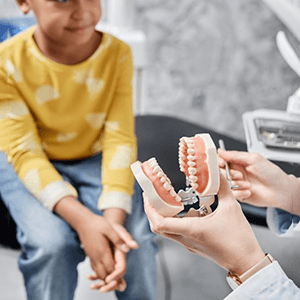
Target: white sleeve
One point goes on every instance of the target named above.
(270, 283)
(282, 223)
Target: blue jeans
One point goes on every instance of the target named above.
(51, 248)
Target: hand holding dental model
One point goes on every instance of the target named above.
(260, 182)
(223, 236)
(198, 161)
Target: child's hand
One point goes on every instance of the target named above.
(113, 281)
(116, 218)
(97, 236)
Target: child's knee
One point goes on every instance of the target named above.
(54, 245)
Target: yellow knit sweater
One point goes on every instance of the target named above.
(50, 111)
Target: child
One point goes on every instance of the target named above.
(67, 141)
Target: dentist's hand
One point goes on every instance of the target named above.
(261, 182)
(223, 236)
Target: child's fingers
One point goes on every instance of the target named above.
(126, 236)
(122, 285)
(99, 269)
(109, 287)
(120, 267)
(92, 276)
(115, 238)
(98, 285)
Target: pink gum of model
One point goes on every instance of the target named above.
(157, 187)
(198, 161)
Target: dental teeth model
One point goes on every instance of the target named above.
(198, 161)
(157, 187)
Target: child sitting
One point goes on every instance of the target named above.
(67, 141)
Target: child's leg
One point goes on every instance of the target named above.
(141, 264)
(50, 248)
(141, 275)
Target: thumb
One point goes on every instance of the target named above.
(225, 189)
(166, 225)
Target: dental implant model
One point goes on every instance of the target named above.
(198, 161)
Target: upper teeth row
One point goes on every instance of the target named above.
(156, 169)
(184, 143)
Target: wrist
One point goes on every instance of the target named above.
(245, 260)
(235, 280)
(115, 215)
(291, 202)
(74, 212)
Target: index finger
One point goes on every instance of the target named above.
(114, 237)
(120, 267)
(238, 157)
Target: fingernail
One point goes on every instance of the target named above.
(134, 244)
(124, 248)
(122, 288)
(101, 282)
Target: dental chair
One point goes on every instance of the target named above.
(12, 26)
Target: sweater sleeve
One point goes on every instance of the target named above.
(119, 141)
(20, 141)
(270, 283)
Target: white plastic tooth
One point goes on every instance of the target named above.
(190, 145)
(192, 171)
(180, 154)
(160, 174)
(152, 159)
(191, 151)
(163, 180)
(191, 157)
(191, 163)
(193, 178)
(195, 186)
(156, 169)
(167, 186)
(153, 163)
(177, 198)
(172, 193)
(168, 180)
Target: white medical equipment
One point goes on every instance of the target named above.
(275, 134)
(118, 20)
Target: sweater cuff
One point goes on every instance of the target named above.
(115, 199)
(54, 192)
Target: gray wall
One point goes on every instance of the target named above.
(210, 60)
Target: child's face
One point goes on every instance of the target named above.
(63, 22)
